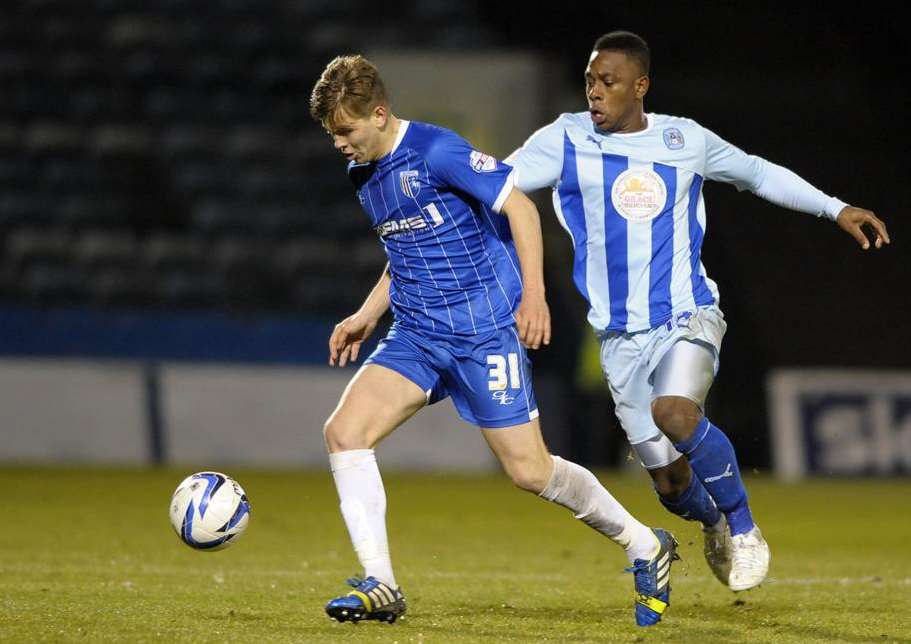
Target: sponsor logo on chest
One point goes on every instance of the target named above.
(639, 194)
(395, 226)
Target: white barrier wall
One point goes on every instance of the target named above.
(57, 411)
(274, 416)
(72, 411)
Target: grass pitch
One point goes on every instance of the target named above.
(88, 555)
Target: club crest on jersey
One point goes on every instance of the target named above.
(673, 138)
(638, 194)
(410, 182)
(481, 162)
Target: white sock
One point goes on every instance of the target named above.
(363, 504)
(577, 489)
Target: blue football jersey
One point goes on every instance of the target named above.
(434, 201)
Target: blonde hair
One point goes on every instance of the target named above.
(350, 85)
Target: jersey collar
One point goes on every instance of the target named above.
(403, 127)
(649, 122)
(400, 135)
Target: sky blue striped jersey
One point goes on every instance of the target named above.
(434, 201)
(633, 205)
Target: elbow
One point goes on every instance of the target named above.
(518, 204)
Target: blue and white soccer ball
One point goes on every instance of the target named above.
(209, 511)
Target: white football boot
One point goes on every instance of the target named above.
(749, 560)
(718, 550)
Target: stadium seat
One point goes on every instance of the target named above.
(181, 287)
(26, 208)
(164, 155)
(174, 252)
(10, 284)
(54, 284)
(28, 246)
(321, 291)
(63, 175)
(234, 255)
(114, 141)
(96, 249)
(15, 65)
(187, 142)
(250, 143)
(44, 138)
(367, 254)
(100, 101)
(86, 210)
(10, 138)
(301, 256)
(220, 218)
(17, 172)
(113, 286)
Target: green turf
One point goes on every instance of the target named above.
(88, 555)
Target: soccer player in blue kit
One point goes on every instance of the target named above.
(466, 289)
(627, 187)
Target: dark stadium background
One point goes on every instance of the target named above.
(131, 227)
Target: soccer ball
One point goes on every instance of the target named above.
(209, 511)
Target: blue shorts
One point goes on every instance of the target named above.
(488, 375)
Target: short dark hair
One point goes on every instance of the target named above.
(630, 44)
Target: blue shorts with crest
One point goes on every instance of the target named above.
(488, 376)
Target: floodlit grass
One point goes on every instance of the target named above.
(88, 555)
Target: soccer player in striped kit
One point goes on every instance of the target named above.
(627, 186)
(466, 288)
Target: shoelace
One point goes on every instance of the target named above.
(640, 572)
(357, 582)
(637, 568)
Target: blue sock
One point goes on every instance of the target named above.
(694, 504)
(712, 458)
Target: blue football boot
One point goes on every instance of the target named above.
(652, 579)
(370, 599)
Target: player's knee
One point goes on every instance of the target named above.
(676, 417)
(341, 437)
(529, 475)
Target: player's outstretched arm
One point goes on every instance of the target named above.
(348, 335)
(781, 186)
(533, 316)
(852, 220)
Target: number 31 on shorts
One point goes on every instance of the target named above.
(498, 377)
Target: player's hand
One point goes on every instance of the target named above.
(852, 220)
(347, 337)
(533, 319)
